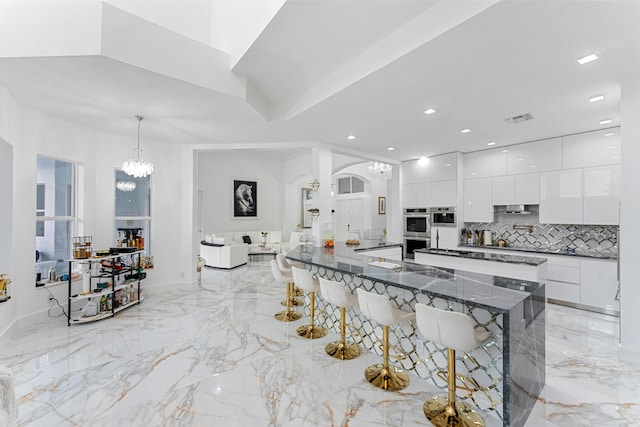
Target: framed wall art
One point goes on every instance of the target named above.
(382, 205)
(245, 199)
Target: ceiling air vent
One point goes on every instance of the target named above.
(519, 119)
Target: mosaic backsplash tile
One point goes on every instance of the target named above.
(602, 239)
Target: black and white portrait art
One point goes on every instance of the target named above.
(245, 199)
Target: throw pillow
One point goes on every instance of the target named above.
(246, 239)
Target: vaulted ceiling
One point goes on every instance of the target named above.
(322, 70)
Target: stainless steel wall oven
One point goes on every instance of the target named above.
(416, 230)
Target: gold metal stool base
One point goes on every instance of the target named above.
(297, 292)
(342, 351)
(292, 302)
(311, 331)
(463, 416)
(287, 316)
(389, 378)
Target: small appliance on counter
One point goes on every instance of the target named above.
(488, 239)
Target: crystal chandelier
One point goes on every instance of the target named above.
(137, 167)
(126, 185)
(381, 171)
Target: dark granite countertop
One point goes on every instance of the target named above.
(551, 250)
(491, 292)
(484, 256)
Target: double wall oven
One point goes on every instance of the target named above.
(416, 230)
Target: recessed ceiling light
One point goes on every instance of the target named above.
(519, 159)
(423, 160)
(533, 166)
(609, 134)
(491, 143)
(588, 58)
(505, 151)
(448, 164)
(611, 147)
(596, 98)
(474, 173)
(351, 137)
(429, 111)
(614, 157)
(465, 131)
(391, 148)
(606, 121)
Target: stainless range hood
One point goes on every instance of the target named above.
(516, 209)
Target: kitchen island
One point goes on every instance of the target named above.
(513, 266)
(510, 368)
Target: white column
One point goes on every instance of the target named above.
(322, 159)
(629, 250)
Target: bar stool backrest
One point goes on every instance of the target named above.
(282, 263)
(304, 279)
(277, 274)
(447, 328)
(335, 293)
(377, 307)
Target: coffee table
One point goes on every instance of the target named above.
(253, 252)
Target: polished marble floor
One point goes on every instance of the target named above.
(211, 354)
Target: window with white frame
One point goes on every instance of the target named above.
(133, 209)
(56, 219)
(350, 184)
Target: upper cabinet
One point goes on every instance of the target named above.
(526, 189)
(539, 156)
(481, 164)
(444, 193)
(561, 197)
(416, 195)
(477, 200)
(436, 168)
(597, 148)
(601, 197)
(503, 190)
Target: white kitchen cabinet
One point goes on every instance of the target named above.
(478, 206)
(414, 171)
(526, 189)
(503, 190)
(443, 193)
(409, 192)
(447, 237)
(601, 195)
(563, 279)
(587, 149)
(442, 168)
(423, 194)
(599, 284)
(539, 156)
(481, 164)
(561, 197)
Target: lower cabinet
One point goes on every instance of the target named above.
(599, 286)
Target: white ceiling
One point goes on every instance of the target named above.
(327, 69)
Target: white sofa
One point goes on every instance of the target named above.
(274, 238)
(224, 256)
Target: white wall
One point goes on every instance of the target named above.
(629, 229)
(216, 171)
(32, 133)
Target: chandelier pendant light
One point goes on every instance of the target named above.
(381, 171)
(126, 185)
(138, 168)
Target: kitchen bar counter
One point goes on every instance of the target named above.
(513, 310)
(551, 250)
(512, 266)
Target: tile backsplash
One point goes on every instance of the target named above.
(602, 239)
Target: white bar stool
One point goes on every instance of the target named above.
(378, 308)
(287, 315)
(457, 332)
(336, 294)
(305, 280)
(285, 267)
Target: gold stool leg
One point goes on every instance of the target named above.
(448, 412)
(311, 331)
(382, 375)
(340, 349)
(291, 300)
(288, 315)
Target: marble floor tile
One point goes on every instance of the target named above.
(211, 354)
